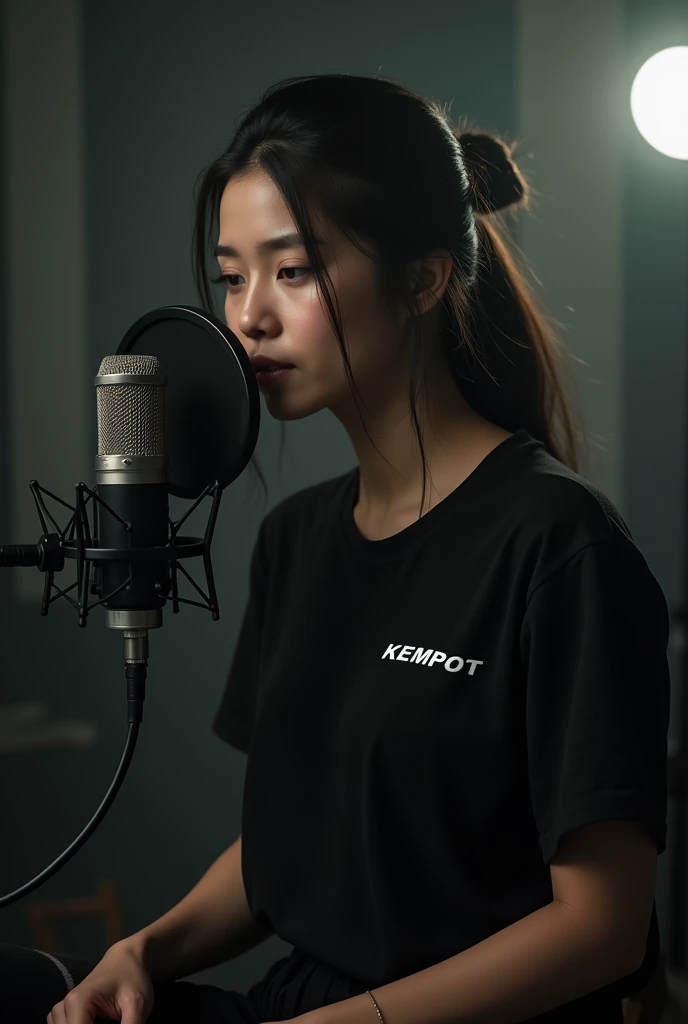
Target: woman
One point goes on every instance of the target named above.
(451, 677)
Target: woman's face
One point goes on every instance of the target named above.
(273, 307)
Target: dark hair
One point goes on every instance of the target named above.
(388, 168)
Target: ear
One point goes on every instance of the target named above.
(429, 278)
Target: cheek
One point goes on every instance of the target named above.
(307, 319)
(368, 329)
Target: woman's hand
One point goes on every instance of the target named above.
(119, 987)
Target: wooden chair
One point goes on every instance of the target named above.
(43, 916)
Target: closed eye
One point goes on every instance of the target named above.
(227, 278)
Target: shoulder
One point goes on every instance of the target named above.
(557, 514)
(548, 496)
(301, 512)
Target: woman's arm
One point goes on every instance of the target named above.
(210, 925)
(593, 933)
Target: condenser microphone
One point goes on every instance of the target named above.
(131, 478)
(178, 413)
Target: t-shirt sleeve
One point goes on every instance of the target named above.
(594, 643)
(233, 720)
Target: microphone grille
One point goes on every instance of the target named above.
(131, 417)
(130, 363)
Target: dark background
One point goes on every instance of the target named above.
(110, 110)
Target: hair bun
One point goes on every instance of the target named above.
(496, 181)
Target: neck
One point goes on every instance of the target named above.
(455, 439)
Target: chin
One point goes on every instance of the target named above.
(281, 408)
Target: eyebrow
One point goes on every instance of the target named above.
(288, 241)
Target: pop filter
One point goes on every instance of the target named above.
(212, 402)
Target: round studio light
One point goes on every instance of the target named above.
(659, 101)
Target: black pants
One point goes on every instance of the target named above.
(32, 982)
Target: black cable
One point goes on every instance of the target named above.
(136, 679)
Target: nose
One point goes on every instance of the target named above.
(256, 317)
(256, 329)
(257, 323)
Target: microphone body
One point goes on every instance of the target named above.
(144, 508)
(131, 478)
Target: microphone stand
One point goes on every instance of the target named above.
(76, 541)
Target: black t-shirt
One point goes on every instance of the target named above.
(426, 715)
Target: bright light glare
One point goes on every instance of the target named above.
(659, 101)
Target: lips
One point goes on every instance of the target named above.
(261, 364)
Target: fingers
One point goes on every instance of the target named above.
(132, 1005)
(73, 1010)
(57, 1014)
(130, 1009)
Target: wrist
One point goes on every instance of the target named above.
(355, 1010)
(135, 945)
(377, 1008)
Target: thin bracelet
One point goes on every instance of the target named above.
(382, 1021)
